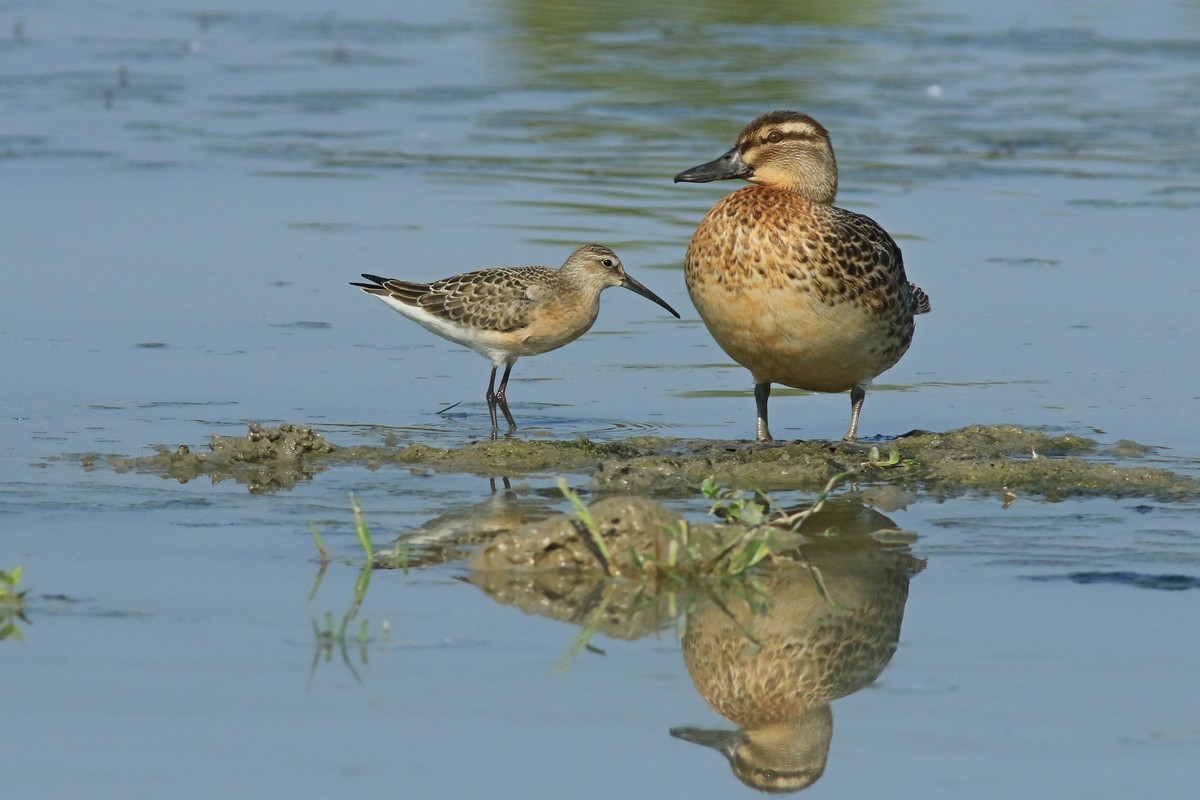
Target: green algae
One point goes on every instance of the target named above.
(1013, 460)
(994, 459)
(991, 459)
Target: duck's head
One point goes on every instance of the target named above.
(785, 149)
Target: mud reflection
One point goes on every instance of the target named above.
(453, 535)
(771, 651)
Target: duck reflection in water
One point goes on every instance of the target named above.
(828, 629)
(769, 651)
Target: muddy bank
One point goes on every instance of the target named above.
(1003, 460)
(265, 459)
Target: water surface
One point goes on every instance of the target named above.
(187, 192)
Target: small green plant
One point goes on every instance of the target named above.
(360, 528)
(754, 511)
(335, 634)
(677, 560)
(686, 558)
(396, 558)
(732, 505)
(742, 554)
(12, 604)
(322, 550)
(584, 514)
(794, 521)
(893, 459)
(8, 587)
(587, 629)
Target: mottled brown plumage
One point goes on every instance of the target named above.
(773, 661)
(796, 290)
(509, 312)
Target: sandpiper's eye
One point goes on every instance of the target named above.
(774, 137)
(608, 262)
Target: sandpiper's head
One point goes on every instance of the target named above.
(597, 266)
(783, 148)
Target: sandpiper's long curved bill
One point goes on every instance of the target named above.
(728, 165)
(630, 283)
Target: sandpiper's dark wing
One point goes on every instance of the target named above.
(492, 299)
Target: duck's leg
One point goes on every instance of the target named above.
(857, 395)
(762, 392)
(502, 401)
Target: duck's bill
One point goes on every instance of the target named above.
(630, 283)
(730, 165)
(725, 741)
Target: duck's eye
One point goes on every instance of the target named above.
(608, 262)
(774, 137)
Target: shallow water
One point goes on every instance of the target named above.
(186, 195)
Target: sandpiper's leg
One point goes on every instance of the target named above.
(491, 400)
(762, 391)
(857, 395)
(500, 398)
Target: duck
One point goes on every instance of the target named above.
(796, 290)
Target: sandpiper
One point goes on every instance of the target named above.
(794, 289)
(509, 312)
